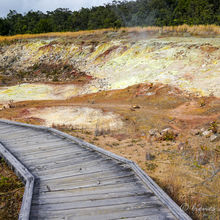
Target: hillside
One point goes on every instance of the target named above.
(114, 60)
(150, 96)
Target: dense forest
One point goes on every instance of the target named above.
(117, 14)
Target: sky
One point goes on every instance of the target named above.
(23, 6)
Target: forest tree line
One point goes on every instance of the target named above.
(116, 14)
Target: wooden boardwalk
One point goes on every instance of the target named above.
(67, 178)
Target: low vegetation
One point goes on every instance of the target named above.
(11, 193)
(181, 30)
(45, 72)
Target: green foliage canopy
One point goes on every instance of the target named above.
(117, 14)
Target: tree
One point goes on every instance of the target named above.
(60, 19)
(43, 26)
(194, 12)
(4, 27)
(115, 14)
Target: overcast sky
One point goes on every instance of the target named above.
(22, 6)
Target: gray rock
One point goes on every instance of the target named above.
(215, 137)
(195, 132)
(150, 93)
(202, 129)
(153, 132)
(5, 58)
(165, 130)
(150, 156)
(207, 133)
(203, 159)
(181, 146)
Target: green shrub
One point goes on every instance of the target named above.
(169, 136)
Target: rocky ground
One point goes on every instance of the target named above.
(152, 100)
(115, 60)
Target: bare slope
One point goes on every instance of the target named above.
(111, 61)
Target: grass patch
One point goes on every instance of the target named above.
(151, 166)
(195, 30)
(11, 193)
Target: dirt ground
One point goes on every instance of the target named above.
(11, 193)
(178, 155)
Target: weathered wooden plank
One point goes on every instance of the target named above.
(57, 174)
(33, 139)
(61, 205)
(44, 151)
(71, 160)
(36, 147)
(108, 212)
(95, 200)
(28, 127)
(16, 132)
(83, 167)
(15, 138)
(36, 140)
(20, 133)
(40, 148)
(144, 217)
(12, 128)
(5, 125)
(126, 214)
(103, 171)
(81, 184)
(94, 197)
(55, 165)
(76, 180)
(141, 213)
(59, 156)
(97, 189)
(144, 214)
(53, 155)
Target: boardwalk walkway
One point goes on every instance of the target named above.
(67, 178)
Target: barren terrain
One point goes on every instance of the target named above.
(154, 100)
